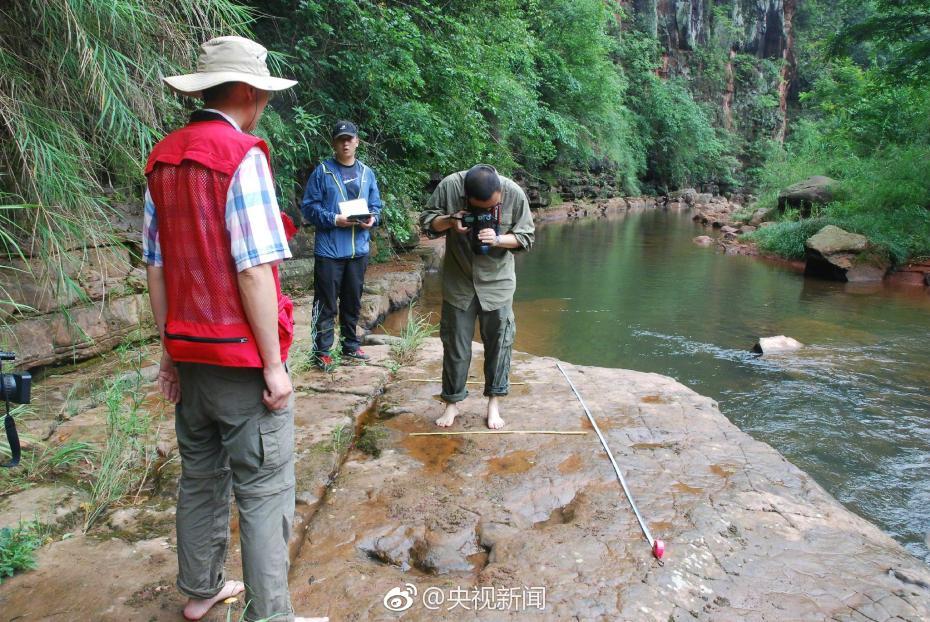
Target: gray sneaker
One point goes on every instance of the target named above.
(355, 355)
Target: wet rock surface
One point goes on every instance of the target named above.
(748, 535)
(776, 345)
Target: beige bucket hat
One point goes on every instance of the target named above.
(229, 59)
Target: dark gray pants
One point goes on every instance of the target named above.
(337, 287)
(456, 328)
(230, 442)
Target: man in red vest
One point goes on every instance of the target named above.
(212, 239)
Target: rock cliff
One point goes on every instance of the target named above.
(737, 55)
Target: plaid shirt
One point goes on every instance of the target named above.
(256, 232)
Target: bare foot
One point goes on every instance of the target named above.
(448, 417)
(197, 608)
(494, 416)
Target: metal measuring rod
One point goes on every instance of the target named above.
(658, 546)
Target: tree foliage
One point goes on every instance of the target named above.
(81, 98)
(540, 86)
(899, 30)
(676, 133)
(865, 126)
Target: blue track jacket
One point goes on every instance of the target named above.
(321, 204)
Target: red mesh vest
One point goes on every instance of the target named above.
(189, 172)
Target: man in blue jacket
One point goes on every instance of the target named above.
(341, 246)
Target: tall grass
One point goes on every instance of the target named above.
(40, 460)
(43, 462)
(127, 454)
(787, 238)
(81, 102)
(411, 337)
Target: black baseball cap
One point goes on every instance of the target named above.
(344, 128)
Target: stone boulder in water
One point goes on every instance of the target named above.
(774, 345)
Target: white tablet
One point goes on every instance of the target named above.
(355, 207)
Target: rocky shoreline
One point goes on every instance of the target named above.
(833, 254)
(749, 535)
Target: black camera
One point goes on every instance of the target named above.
(15, 388)
(476, 221)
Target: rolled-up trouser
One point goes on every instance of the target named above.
(229, 441)
(337, 286)
(456, 328)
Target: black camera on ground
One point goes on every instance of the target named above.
(15, 388)
(476, 221)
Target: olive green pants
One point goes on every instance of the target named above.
(456, 328)
(230, 442)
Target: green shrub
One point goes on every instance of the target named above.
(787, 238)
(17, 548)
(871, 136)
(412, 336)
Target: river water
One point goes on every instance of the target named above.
(852, 408)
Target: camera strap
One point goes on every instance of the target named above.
(9, 425)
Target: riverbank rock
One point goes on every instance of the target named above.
(816, 190)
(594, 184)
(77, 277)
(775, 345)
(915, 273)
(297, 273)
(467, 518)
(685, 195)
(703, 240)
(762, 215)
(49, 504)
(714, 211)
(538, 192)
(839, 255)
(78, 333)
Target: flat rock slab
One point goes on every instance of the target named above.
(47, 505)
(506, 525)
(106, 580)
(491, 520)
(115, 580)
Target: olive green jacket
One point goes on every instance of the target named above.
(464, 274)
